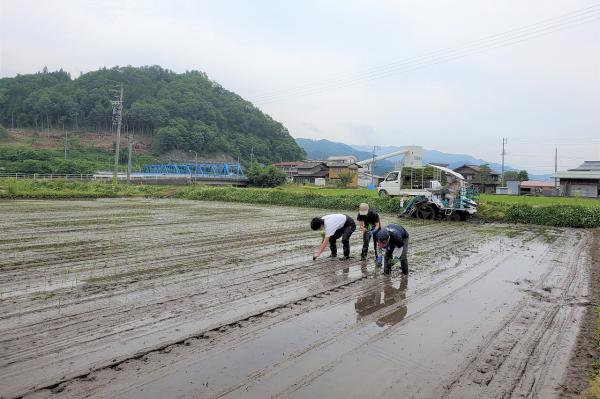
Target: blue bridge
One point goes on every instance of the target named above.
(216, 170)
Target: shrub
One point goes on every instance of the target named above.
(343, 180)
(348, 202)
(271, 176)
(29, 166)
(12, 153)
(61, 166)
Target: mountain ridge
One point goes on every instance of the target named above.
(321, 149)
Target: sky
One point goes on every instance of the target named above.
(451, 76)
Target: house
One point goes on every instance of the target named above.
(345, 159)
(308, 171)
(481, 177)
(337, 169)
(583, 181)
(535, 187)
(289, 168)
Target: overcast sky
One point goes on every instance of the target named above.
(429, 73)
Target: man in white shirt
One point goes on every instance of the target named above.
(335, 226)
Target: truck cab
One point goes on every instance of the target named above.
(395, 184)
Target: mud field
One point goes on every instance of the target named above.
(164, 299)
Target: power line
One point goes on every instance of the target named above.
(421, 61)
(503, 39)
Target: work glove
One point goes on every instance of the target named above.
(373, 231)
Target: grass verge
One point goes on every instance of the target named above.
(559, 212)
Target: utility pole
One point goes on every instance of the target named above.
(251, 156)
(372, 166)
(117, 118)
(196, 164)
(504, 141)
(75, 121)
(66, 138)
(555, 167)
(129, 152)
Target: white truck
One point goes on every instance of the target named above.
(430, 192)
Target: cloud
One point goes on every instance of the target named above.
(539, 91)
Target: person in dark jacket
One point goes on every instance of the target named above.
(335, 226)
(369, 224)
(388, 239)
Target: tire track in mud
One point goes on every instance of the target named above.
(519, 359)
(236, 323)
(80, 387)
(376, 315)
(256, 285)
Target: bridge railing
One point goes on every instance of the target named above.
(197, 169)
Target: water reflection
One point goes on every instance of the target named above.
(385, 296)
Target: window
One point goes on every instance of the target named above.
(392, 176)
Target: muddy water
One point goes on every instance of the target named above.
(487, 310)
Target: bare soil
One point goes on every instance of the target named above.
(585, 356)
(167, 298)
(53, 139)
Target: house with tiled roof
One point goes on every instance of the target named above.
(480, 177)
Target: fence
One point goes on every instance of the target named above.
(137, 178)
(49, 176)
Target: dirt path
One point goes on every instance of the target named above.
(584, 358)
(169, 298)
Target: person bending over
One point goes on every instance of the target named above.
(389, 238)
(335, 226)
(368, 221)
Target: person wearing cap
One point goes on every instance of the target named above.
(335, 226)
(389, 238)
(369, 224)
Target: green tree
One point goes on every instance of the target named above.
(3, 133)
(30, 166)
(344, 179)
(216, 121)
(270, 176)
(485, 175)
(523, 175)
(511, 175)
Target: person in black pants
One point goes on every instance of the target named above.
(335, 226)
(369, 224)
(389, 238)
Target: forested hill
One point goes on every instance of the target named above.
(184, 111)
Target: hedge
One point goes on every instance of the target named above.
(554, 215)
(282, 197)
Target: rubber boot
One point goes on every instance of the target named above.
(404, 266)
(378, 260)
(387, 269)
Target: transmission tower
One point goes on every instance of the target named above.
(117, 119)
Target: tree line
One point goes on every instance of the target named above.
(185, 111)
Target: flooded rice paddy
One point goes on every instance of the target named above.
(171, 299)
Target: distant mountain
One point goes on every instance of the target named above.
(321, 149)
(453, 160)
(181, 111)
(429, 156)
